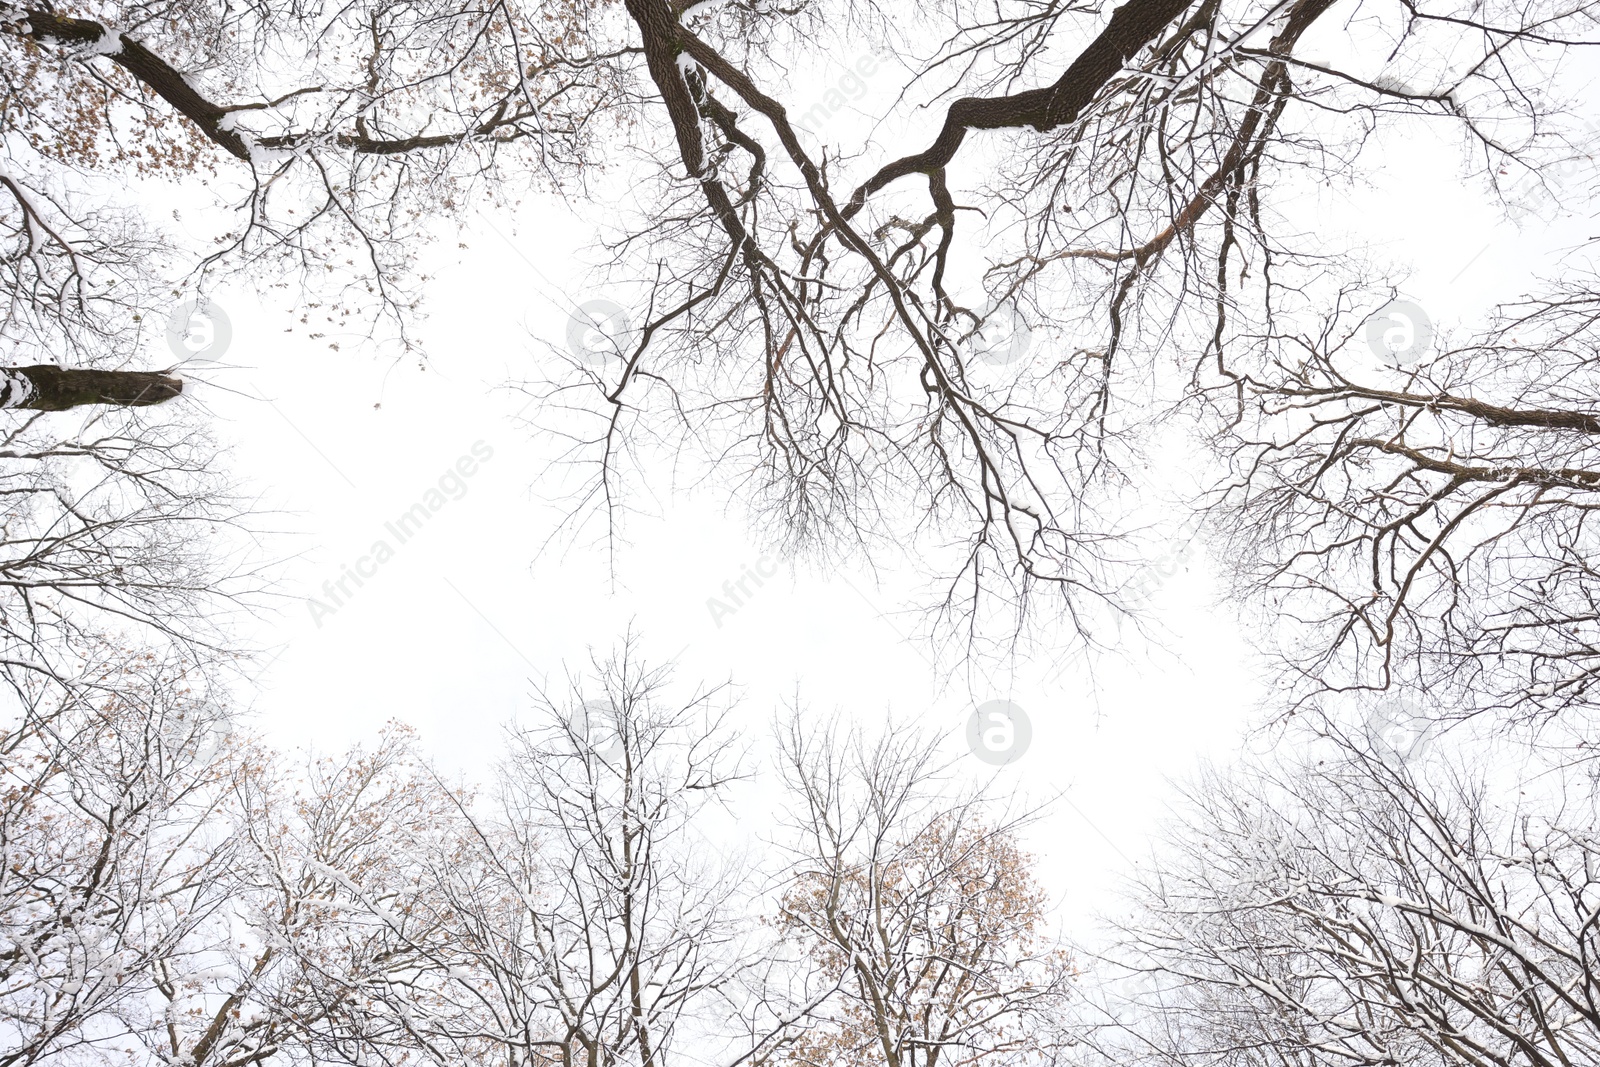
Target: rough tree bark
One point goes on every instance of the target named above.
(48, 388)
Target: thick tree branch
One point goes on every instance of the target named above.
(1493, 414)
(1133, 26)
(1462, 472)
(156, 73)
(48, 388)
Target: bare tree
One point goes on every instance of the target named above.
(112, 860)
(174, 893)
(588, 924)
(1349, 907)
(331, 913)
(335, 161)
(821, 327)
(1429, 526)
(334, 164)
(115, 529)
(916, 909)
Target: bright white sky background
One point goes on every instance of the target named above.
(451, 633)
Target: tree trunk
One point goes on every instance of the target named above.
(49, 388)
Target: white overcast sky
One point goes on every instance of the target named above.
(451, 635)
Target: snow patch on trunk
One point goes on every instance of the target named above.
(15, 389)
